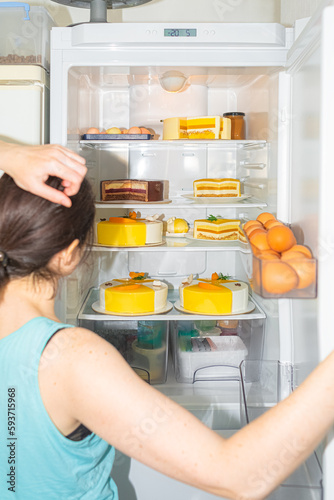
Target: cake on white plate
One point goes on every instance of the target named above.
(134, 295)
(218, 295)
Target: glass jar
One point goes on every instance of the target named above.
(238, 129)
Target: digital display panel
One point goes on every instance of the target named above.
(180, 32)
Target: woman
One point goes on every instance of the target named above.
(30, 167)
(67, 395)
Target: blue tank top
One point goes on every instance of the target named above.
(37, 462)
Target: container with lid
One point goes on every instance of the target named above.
(24, 34)
(238, 129)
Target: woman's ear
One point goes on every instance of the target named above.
(71, 252)
(66, 260)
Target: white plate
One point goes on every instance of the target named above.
(134, 202)
(216, 200)
(96, 307)
(191, 237)
(176, 235)
(138, 246)
(250, 308)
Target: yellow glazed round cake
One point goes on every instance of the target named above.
(131, 296)
(125, 232)
(218, 296)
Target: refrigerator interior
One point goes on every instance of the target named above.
(124, 95)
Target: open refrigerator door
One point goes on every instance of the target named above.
(115, 76)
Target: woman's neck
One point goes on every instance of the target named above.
(23, 300)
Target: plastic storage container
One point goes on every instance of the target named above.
(24, 104)
(279, 278)
(143, 344)
(24, 34)
(213, 350)
(263, 385)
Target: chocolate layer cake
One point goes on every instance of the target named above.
(132, 189)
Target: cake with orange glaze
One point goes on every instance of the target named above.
(217, 188)
(197, 127)
(129, 232)
(134, 295)
(218, 295)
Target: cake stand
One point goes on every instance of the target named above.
(98, 8)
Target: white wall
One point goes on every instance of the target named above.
(176, 10)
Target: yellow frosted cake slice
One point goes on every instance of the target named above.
(197, 127)
(214, 296)
(203, 127)
(217, 188)
(133, 296)
(216, 229)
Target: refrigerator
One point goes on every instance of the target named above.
(114, 75)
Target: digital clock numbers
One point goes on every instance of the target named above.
(180, 32)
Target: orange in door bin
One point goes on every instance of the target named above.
(280, 238)
(278, 277)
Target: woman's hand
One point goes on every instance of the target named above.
(30, 167)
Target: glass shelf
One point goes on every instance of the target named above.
(183, 144)
(181, 202)
(87, 312)
(175, 244)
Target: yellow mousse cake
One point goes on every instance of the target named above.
(125, 232)
(216, 229)
(175, 225)
(197, 127)
(217, 188)
(133, 296)
(215, 296)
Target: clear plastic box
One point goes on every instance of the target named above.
(143, 344)
(211, 349)
(24, 34)
(263, 385)
(265, 274)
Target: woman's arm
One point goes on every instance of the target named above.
(95, 386)
(30, 167)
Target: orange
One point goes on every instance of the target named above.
(265, 216)
(144, 130)
(250, 224)
(280, 238)
(255, 230)
(278, 277)
(134, 130)
(306, 270)
(292, 255)
(271, 223)
(301, 248)
(93, 130)
(268, 255)
(260, 242)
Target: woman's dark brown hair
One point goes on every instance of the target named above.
(33, 230)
